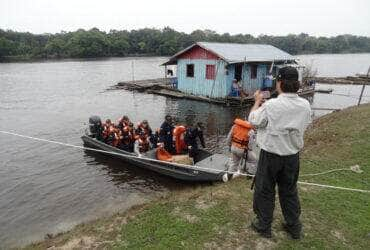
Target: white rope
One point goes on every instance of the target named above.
(119, 154)
(327, 172)
(178, 164)
(334, 187)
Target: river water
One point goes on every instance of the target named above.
(47, 188)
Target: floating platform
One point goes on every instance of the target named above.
(162, 86)
(352, 80)
(324, 91)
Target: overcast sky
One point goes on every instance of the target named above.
(273, 17)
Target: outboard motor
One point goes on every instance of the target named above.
(95, 127)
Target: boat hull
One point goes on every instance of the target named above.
(177, 171)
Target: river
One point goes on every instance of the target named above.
(47, 188)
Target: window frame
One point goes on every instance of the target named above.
(190, 71)
(210, 72)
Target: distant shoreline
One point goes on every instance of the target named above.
(92, 43)
(12, 59)
(21, 59)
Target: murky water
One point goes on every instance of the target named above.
(48, 188)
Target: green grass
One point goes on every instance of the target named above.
(219, 215)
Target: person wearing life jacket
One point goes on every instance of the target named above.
(237, 140)
(132, 136)
(117, 137)
(127, 139)
(112, 137)
(143, 127)
(124, 144)
(106, 127)
(141, 144)
(178, 138)
(162, 154)
(193, 133)
(123, 122)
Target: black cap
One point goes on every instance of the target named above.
(287, 73)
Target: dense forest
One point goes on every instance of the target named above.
(161, 42)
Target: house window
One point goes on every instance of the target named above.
(210, 71)
(189, 70)
(253, 71)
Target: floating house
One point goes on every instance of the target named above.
(208, 69)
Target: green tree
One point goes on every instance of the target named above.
(166, 41)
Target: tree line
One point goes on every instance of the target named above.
(160, 42)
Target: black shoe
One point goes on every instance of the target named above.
(266, 233)
(294, 232)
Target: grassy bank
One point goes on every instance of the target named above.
(219, 215)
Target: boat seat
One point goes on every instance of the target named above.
(215, 161)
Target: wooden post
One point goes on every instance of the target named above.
(362, 92)
(133, 70)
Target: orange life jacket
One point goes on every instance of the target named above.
(127, 136)
(143, 145)
(117, 137)
(111, 136)
(240, 133)
(163, 155)
(106, 127)
(178, 137)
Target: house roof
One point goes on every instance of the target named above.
(236, 52)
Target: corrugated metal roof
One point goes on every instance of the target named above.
(236, 52)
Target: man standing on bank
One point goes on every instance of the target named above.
(281, 123)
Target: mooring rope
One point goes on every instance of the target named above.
(183, 165)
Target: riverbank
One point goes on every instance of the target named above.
(218, 216)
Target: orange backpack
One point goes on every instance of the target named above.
(163, 155)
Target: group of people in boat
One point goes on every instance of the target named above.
(169, 139)
(124, 135)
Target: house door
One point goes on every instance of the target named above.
(238, 71)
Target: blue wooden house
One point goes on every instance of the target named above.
(208, 69)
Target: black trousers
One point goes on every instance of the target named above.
(281, 170)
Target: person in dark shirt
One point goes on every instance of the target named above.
(166, 134)
(154, 140)
(191, 135)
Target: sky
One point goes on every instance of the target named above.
(271, 17)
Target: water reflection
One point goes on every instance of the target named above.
(130, 177)
(216, 118)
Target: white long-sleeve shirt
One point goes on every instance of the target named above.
(281, 123)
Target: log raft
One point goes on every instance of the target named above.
(352, 80)
(162, 86)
